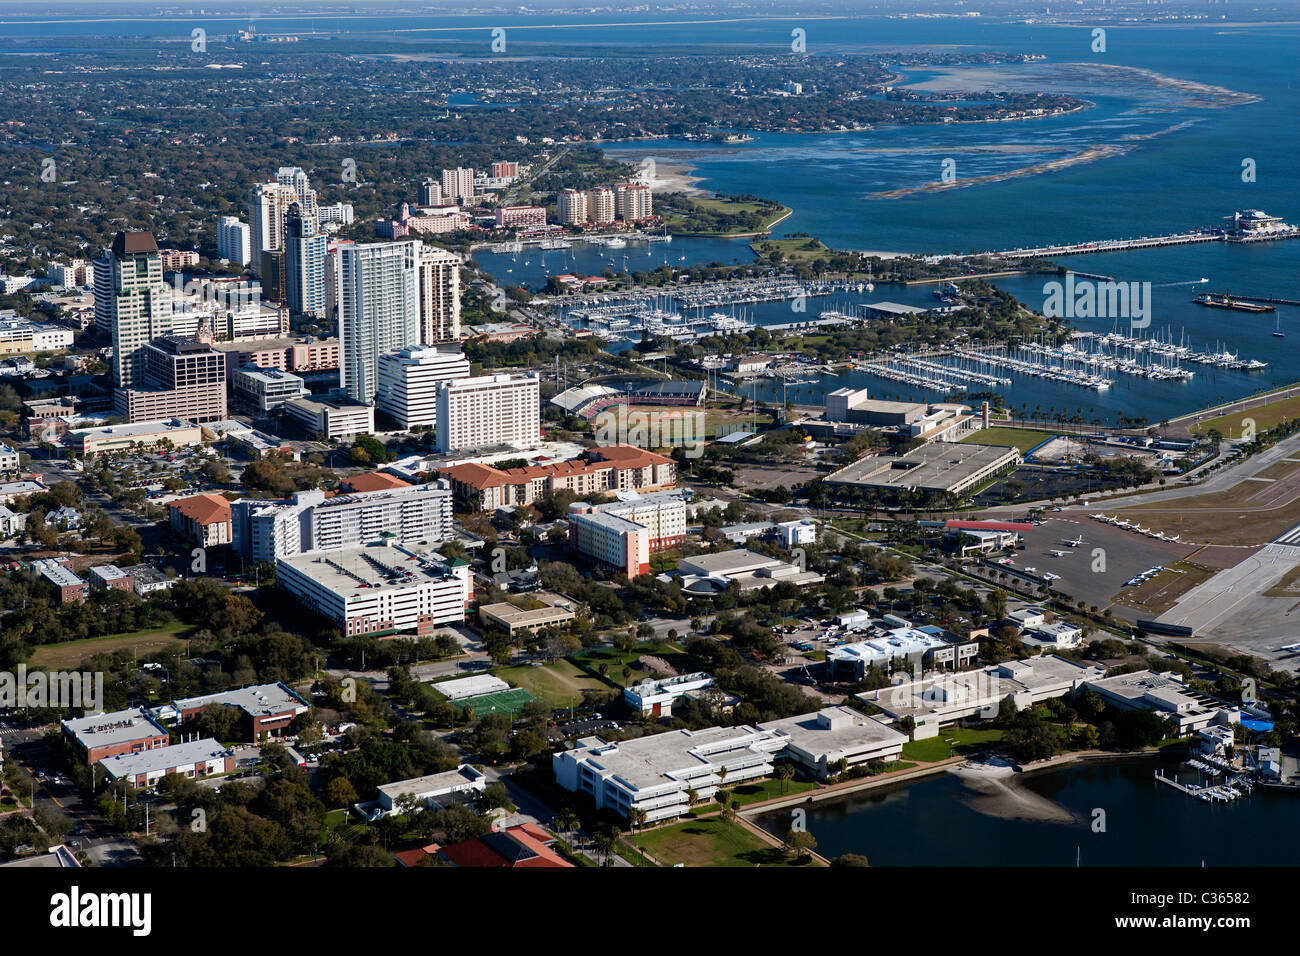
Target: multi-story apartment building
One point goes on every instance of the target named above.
(408, 383)
(632, 202)
(202, 519)
(519, 217)
(133, 300)
(378, 296)
(571, 207)
(174, 260)
(458, 184)
(600, 205)
(304, 264)
(505, 170)
(234, 240)
(267, 205)
(623, 534)
(309, 521)
(73, 274)
(430, 193)
(180, 378)
(615, 468)
(439, 277)
(487, 410)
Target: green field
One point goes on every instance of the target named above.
(967, 740)
(795, 250)
(71, 653)
(509, 702)
(1023, 438)
(770, 789)
(1264, 416)
(559, 683)
(710, 842)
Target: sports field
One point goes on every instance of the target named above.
(1022, 438)
(509, 702)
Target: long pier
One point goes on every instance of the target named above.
(1146, 242)
(1272, 299)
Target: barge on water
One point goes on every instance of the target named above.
(1225, 302)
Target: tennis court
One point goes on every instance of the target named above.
(509, 702)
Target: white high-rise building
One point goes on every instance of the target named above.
(134, 300)
(268, 203)
(304, 264)
(571, 207)
(408, 383)
(234, 240)
(378, 296)
(600, 205)
(458, 184)
(430, 193)
(488, 410)
(439, 296)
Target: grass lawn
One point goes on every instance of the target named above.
(793, 249)
(617, 660)
(710, 842)
(1264, 416)
(71, 653)
(558, 683)
(968, 740)
(758, 790)
(334, 819)
(1023, 438)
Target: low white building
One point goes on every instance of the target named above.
(792, 534)
(656, 696)
(436, 790)
(1059, 635)
(9, 458)
(654, 774)
(332, 418)
(817, 742)
(1165, 694)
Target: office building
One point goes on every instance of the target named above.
(439, 281)
(378, 296)
(179, 378)
(818, 742)
(571, 207)
(707, 574)
(488, 410)
(135, 304)
(555, 612)
(458, 184)
(600, 205)
(87, 442)
(434, 791)
(622, 534)
(331, 418)
(234, 240)
(264, 389)
(304, 264)
(654, 773)
(203, 520)
(20, 336)
(265, 710)
(193, 759)
(632, 202)
(379, 589)
(99, 736)
(408, 383)
(265, 530)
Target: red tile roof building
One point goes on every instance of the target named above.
(608, 468)
(522, 846)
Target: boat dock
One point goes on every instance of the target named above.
(1223, 793)
(1192, 237)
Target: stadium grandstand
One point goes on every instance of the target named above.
(588, 401)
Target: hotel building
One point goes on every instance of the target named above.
(408, 383)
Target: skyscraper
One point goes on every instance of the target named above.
(571, 207)
(378, 295)
(134, 300)
(439, 296)
(268, 204)
(304, 264)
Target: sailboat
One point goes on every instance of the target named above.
(1277, 330)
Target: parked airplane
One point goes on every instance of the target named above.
(1076, 542)
(1060, 554)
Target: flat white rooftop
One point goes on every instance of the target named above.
(475, 686)
(164, 758)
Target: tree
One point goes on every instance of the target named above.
(799, 843)
(785, 773)
(850, 859)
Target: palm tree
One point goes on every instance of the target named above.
(785, 773)
(692, 797)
